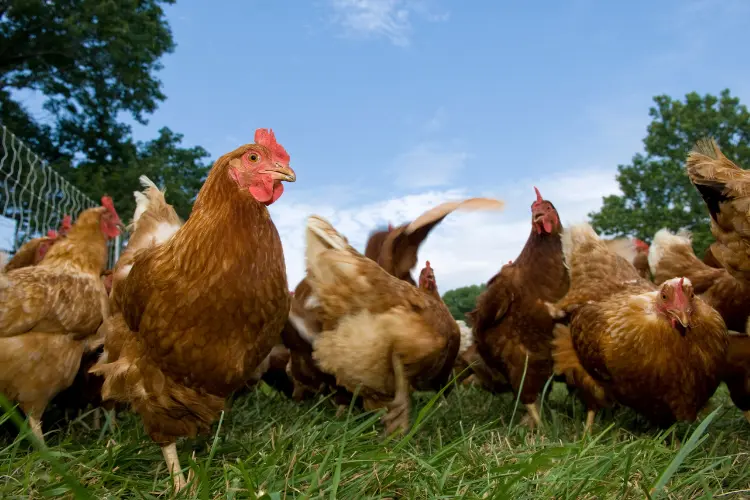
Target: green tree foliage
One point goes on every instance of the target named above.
(462, 300)
(656, 190)
(94, 61)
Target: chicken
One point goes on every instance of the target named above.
(736, 372)
(201, 310)
(395, 250)
(725, 189)
(378, 332)
(656, 350)
(512, 328)
(671, 255)
(33, 251)
(51, 313)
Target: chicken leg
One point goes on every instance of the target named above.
(589, 422)
(532, 418)
(36, 426)
(173, 466)
(747, 415)
(397, 417)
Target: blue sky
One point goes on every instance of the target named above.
(388, 107)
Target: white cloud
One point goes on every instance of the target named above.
(466, 248)
(428, 164)
(382, 18)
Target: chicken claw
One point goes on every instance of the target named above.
(397, 418)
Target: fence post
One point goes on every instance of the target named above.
(117, 249)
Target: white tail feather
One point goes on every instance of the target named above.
(574, 236)
(663, 239)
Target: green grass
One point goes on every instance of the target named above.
(464, 447)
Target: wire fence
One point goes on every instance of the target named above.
(34, 198)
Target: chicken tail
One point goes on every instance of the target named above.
(169, 409)
(715, 176)
(328, 253)
(624, 247)
(576, 236)
(150, 196)
(568, 364)
(672, 255)
(440, 211)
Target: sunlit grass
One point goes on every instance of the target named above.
(462, 447)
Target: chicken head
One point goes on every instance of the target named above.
(544, 216)
(675, 301)
(427, 278)
(110, 222)
(261, 168)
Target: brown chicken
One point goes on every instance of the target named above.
(51, 313)
(672, 256)
(725, 189)
(202, 310)
(33, 251)
(378, 332)
(656, 350)
(395, 250)
(512, 328)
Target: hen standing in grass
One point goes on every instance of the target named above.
(395, 250)
(725, 189)
(202, 310)
(656, 350)
(51, 312)
(378, 332)
(512, 329)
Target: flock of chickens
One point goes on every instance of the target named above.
(195, 311)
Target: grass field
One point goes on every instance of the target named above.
(467, 446)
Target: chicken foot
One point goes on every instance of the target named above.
(397, 417)
(532, 419)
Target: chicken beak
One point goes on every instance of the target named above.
(683, 317)
(281, 172)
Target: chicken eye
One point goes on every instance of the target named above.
(253, 157)
(664, 296)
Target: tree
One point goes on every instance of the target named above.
(656, 190)
(462, 300)
(95, 61)
(180, 170)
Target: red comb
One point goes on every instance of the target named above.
(640, 244)
(267, 139)
(390, 227)
(539, 198)
(52, 234)
(679, 294)
(67, 221)
(108, 203)
(427, 264)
